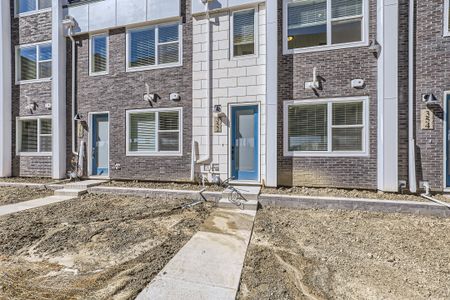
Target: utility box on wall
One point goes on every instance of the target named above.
(426, 119)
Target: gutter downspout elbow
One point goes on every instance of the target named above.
(411, 98)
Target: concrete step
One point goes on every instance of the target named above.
(70, 192)
(248, 192)
(84, 185)
(251, 205)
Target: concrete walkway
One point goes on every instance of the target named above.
(209, 266)
(68, 192)
(21, 206)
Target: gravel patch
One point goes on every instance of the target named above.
(330, 192)
(163, 185)
(93, 247)
(320, 254)
(10, 195)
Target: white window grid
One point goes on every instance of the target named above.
(330, 127)
(31, 12)
(156, 65)
(38, 62)
(255, 36)
(38, 137)
(364, 30)
(157, 131)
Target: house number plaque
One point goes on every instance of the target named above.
(426, 119)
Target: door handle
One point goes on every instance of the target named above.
(232, 152)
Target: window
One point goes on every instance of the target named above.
(244, 32)
(154, 132)
(333, 127)
(447, 18)
(99, 49)
(156, 46)
(34, 136)
(34, 62)
(324, 23)
(30, 6)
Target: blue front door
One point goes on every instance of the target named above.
(100, 145)
(244, 143)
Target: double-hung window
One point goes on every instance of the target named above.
(154, 46)
(324, 23)
(154, 132)
(32, 6)
(34, 62)
(34, 136)
(244, 33)
(99, 54)
(336, 127)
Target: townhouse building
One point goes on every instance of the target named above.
(321, 93)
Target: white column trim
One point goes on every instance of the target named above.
(272, 94)
(58, 91)
(387, 36)
(5, 90)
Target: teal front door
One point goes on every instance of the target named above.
(100, 145)
(245, 143)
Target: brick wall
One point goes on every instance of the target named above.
(29, 29)
(120, 91)
(432, 76)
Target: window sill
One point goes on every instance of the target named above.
(325, 154)
(33, 81)
(325, 48)
(33, 12)
(98, 74)
(35, 154)
(148, 68)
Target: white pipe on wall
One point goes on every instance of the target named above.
(411, 93)
(70, 33)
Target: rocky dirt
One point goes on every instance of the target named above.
(10, 195)
(330, 192)
(163, 185)
(96, 247)
(319, 254)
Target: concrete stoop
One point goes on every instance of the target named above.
(246, 195)
(209, 266)
(76, 189)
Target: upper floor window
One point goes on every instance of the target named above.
(154, 46)
(244, 32)
(324, 23)
(447, 18)
(34, 135)
(99, 54)
(326, 128)
(30, 6)
(34, 62)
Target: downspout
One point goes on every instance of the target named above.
(207, 156)
(70, 33)
(411, 93)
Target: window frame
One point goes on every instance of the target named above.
(256, 33)
(330, 126)
(446, 30)
(157, 44)
(92, 36)
(31, 12)
(38, 61)
(156, 111)
(19, 135)
(364, 31)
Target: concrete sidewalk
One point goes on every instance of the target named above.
(21, 206)
(209, 266)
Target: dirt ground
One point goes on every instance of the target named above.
(94, 247)
(163, 185)
(31, 180)
(319, 254)
(10, 195)
(330, 192)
